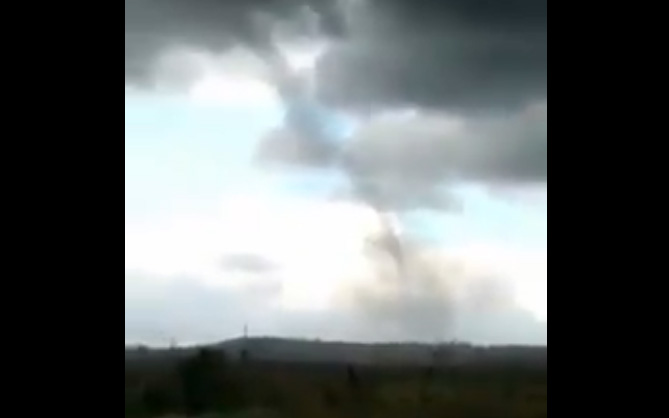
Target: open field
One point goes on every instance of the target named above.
(213, 381)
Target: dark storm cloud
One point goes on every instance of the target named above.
(454, 54)
(432, 147)
(152, 26)
(483, 61)
(400, 162)
(430, 72)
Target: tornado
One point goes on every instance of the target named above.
(309, 120)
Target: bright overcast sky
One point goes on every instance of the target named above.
(216, 237)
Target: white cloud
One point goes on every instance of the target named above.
(306, 238)
(191, 309)
(318, 246)
(218, 89)
(237, 77)
(524, 268)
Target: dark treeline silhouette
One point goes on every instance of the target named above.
(230, 383)
(309, 351)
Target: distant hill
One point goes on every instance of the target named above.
(310, 351)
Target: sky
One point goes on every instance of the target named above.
(238, 213)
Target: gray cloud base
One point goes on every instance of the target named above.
(452, 54)
(404, 162)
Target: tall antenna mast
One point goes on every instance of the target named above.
(244, 353)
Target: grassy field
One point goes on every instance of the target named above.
(207, 383)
